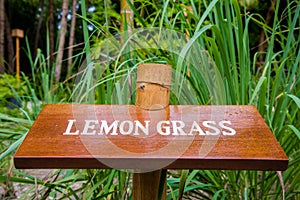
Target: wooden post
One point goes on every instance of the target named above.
(152, 93)
(18, 33)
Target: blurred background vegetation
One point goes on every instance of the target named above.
(254, 44)
(42, 22)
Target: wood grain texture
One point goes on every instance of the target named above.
(147, 96)
(146, 186)
(153, 86)
(253, 147)
(152, 93)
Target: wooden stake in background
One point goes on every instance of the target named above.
(152, 93)
(18, 33)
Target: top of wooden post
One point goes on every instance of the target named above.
(19, 33)
(160, 74)
(153, 86)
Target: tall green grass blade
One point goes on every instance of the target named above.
(257, 88)
(182, 183)
(295, 99)
(85, 32)
(216, 195)
(295, 130)
(205, 14)
(136, 13)
(12, 147)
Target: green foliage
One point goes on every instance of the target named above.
(10, 86)
(11, 89)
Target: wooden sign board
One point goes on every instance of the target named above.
(128, 137)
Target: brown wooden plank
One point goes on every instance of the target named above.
(253, 147)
